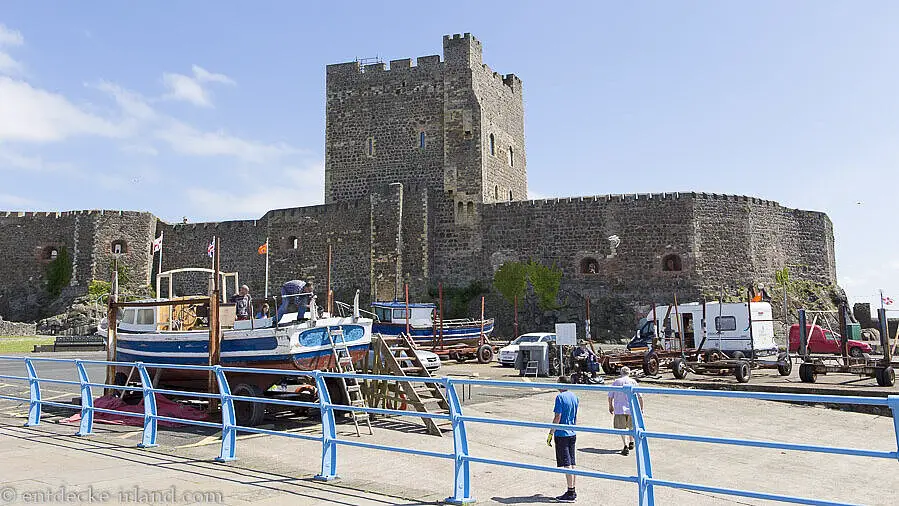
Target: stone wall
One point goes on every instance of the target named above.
(17, 329)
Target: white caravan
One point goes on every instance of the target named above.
(716, 326)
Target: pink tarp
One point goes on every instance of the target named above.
(164, 407)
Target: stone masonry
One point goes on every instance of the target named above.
(426, 182)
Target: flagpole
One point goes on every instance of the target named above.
(159, 271)
(881, 300)
(266, 267)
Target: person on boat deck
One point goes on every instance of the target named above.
(293, 292)
(263, 313)
(242, 303)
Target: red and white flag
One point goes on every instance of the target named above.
(157, 244)
(210, 250)
(886, 301)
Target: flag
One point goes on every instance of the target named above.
(263, 249)
(887, 301)
(157, 244)
(210, 250)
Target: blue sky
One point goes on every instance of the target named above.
(215, 110)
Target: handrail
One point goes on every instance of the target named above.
(461, 494)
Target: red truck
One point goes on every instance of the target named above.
(824, 341)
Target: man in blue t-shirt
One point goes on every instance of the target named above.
(565, 411)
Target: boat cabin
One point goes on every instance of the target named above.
(420, 314)
(181, 317)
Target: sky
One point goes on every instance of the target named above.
(214, 110)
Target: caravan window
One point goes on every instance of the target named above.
(145, 317)
(725, 323)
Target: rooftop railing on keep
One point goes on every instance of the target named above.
(461, 456)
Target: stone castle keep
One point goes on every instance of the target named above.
(426, 182)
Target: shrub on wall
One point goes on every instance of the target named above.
(59, 272)
(98, 288)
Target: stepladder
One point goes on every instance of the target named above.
(352, 389)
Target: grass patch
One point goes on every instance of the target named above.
(19, 344)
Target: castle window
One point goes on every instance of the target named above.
(461, 209)
(672, 262)
(471, 209)
(119, 247)
(496, 193)
(370, 146)
(293, 242)
(50, 253)
(589, 266)
(510, 195)
(511, 157)
(421, 140)
(492, 145)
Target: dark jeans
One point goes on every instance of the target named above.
(565, 450)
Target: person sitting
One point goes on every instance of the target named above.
(241, 303)
(263, 312)
(583, 354)
(295, 292)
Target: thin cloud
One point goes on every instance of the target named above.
(187, 140)
(191, 89)
(10, 201)
(9, 38)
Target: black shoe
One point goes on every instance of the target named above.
(630, 446)
(624, 451)
(568, 496)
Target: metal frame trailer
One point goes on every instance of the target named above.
(716, 362)
(812, 365)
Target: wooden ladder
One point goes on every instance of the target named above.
(398, 355)
(352, 389)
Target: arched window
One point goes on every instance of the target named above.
(511, 157)
(471, 209)
(589, 266)
(461, 208)
(293, 242)
(421, 140)
(496, 192)
(492, 145)
(50, 253)
(119, 247)
(672, 262)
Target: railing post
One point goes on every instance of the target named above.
(87, 401)
(229, 433)
(34, 406)
(146, 384)
(893, 403)
(329, 431)
(641, 448)
(462, 471)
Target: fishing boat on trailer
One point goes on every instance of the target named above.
(424, 325)
(165, 332)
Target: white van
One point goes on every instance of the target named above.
(723, 327)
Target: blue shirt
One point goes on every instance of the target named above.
(566, 406)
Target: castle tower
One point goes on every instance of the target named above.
(454, 126)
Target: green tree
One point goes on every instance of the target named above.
(511, 280)
(546, 282)
(59, 272)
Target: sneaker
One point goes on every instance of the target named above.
(568, 496)
(625, 451)
(630, 446)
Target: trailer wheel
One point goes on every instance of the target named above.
(485, 354)
(807, 373)
(855, 351)
(785, 368)
(679, 368)
(886, 377)
(738, 355)
(650, 364)
(743, 372)
(246, 413)
(713, 355)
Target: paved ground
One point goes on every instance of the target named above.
(277, 471)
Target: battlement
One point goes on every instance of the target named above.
(641, 197)
(67, 214)
(356, 69)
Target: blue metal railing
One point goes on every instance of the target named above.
(460, 455)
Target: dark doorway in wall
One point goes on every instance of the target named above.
(589, 266)
(672, 262)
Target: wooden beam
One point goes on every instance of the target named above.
(156, 303)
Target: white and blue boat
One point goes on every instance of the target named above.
(424, 325)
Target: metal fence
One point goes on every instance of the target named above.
(462, 458)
